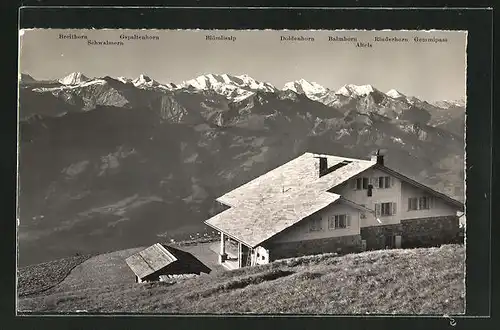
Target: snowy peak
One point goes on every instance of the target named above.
(144, 80)
(395, 94)
(235, 88)
(124, 80)
(205, 81)
(351, 90)
(446, 104)
(226, 82)
(74, 78)
(247, 81)
(303, 86)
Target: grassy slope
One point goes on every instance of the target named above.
(429, 281)
(37, 278)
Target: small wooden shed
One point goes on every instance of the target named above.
(158, 260)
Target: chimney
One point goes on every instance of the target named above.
(323, 166)
(379, 158)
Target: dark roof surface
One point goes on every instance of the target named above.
(150, 260)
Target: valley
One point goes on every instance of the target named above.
(108, 163)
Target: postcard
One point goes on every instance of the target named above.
(310, 172)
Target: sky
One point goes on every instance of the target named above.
(428, 70)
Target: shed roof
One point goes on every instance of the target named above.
(150, 260)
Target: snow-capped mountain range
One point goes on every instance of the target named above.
(239, 87)
(236, 88)
(446, 104)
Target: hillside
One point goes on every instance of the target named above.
(413, 281)
(121, 161)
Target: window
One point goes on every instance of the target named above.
(315, 224)
(361, 183)
(385, 209)
(424, 203)
(420, 203)
(384, 182)
(339, 221)
(412, 204)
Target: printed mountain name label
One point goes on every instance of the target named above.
(220, 38)
(364, 44)
(71, 36)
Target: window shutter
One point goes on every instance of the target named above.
(392, 181)
(375, 182)
(348, 220)
(409, 204)
(377, 209)
(393, 209)
(353, 184)
(431, 202)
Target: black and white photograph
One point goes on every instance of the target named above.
(261, 172)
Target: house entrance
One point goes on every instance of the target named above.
(393, 242)
(389, 241)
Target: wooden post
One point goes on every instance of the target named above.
(222, 255)
(240, 254)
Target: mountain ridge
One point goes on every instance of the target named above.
(117, 163)
(300, 86)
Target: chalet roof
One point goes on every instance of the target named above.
(255, 224)
(262, 208)
(291, 176)
(150, 260)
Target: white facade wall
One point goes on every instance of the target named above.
(301, 232)
(439, 207)
(398, 193)
(379, 195)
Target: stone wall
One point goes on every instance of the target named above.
(419, 232)
(376, 236)
(434, 231)
(342, 244)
